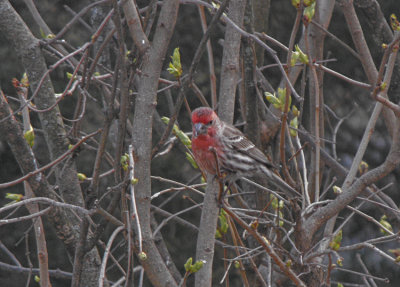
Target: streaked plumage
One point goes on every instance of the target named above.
(237, 155)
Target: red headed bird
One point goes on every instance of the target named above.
(237, 156)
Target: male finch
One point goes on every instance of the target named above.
(214, 140)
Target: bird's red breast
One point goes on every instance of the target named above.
(204, 138)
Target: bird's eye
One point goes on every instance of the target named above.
(209, 123)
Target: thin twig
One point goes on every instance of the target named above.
(27, 217)
(67, 26)
(58, 274)
(106, 254)
(361, 262)
(373, 119)
(165, 221)
(386, 280)
(347, 47)
(135, 214)
(213, 78)
(51, 164)
(49, 201)
(284, 117)
(343, 77)
(266, 245)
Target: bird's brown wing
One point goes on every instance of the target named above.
(238, 141)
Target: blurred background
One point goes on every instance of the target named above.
(343, 99)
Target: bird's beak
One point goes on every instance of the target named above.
(199, 129)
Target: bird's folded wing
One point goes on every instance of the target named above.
(238, 141)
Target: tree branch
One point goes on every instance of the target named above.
(145, 104)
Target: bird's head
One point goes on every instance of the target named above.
(204, 121)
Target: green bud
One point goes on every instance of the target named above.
(165, 120)
(309, 13)
(236, 263)
(336, 190)
(296, 3)
(81, 176)
(280, 216)
(24, 80)
(282, 98)
(254, 224)
(386, 224)
(188, 264)
(197, 266)
(216, 7)
(179, 133)
(14, 196)
(294, 124)
(37, 279)
(339, 261)
(184, 138)
(69, 76)
(42, 34)
(190, 158)
(275, 202)
(294, 58)
(134, 181)
(295, 111)
(124, 161)
(308, 2)
(142, 256)
(303, 58)
(336, 241)
(363, 167)
(223, 221)
(175, 67)
(30, 137)
(394, 23)
(271, 98)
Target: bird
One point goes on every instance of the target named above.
(220, 147)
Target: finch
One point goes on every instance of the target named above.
(237, 156)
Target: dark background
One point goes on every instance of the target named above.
(341, 97)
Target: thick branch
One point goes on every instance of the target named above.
(230, 62)
(19, 35)
(364, 52)
(318, 218)
(155, 267)
(135, 26)
(206, 235)
(28, 50)
(27, 163)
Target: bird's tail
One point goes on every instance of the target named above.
(279, 182)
